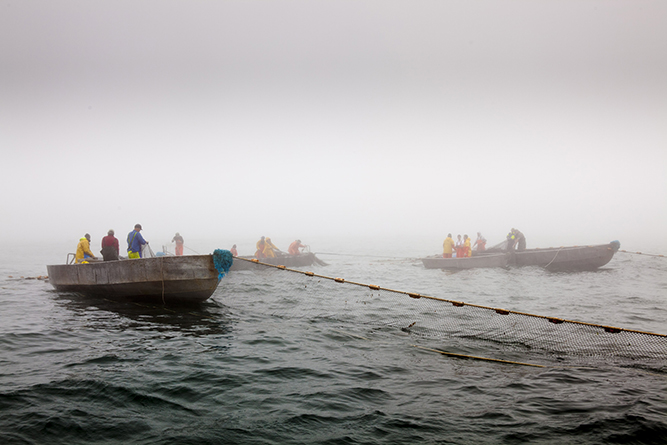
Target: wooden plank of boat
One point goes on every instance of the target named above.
(302, 260)
(571, 258)
(491, 260)
(167, 279)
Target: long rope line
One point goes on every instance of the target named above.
(642, 253)
(366, 256)
(554, 320)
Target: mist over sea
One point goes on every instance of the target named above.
(251, 366)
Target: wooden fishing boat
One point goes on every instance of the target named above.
(165, 279)
(491, 260)
(571, 258)
(302, 260)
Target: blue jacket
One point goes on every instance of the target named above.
(135, 241)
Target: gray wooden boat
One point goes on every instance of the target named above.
(165, 279)
(573, 258)
(491, 260)
(302, 260)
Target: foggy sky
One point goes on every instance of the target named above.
(230, 120)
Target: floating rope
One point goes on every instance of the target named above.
(435, 317)
(222, 260)
(642, 253)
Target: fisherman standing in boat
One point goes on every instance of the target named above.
(480, 243)
(459, 246)
(516, 238)
(467, 251)
(179, 243)
(110, 247)
(134, 242)
(448, 246)
(259, 253)
(83, 249)
(293, 248)
(234, 251)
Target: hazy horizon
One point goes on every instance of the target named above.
(367, 119)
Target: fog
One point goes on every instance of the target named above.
(387, 120)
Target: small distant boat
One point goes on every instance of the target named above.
(491, 260)
(573, 258)
(302, 260)
(165, 279)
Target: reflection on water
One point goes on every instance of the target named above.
(207, 318)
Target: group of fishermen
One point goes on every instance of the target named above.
(462, 248)
(111, 247)
(266, 248)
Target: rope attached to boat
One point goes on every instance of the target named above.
(554, 258)
(431, 317)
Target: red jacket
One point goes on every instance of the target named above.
(110, 240)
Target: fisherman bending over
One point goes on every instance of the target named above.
(516, 238)
(294, 247)
(480, 243)
(270, 249)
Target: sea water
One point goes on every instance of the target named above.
(241, 368)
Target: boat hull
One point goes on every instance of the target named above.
(492, 260)
(574, 258)
(167, 279)
(302, 260)
(566, 258)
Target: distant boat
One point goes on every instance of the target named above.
(166, 279)
(491, 260)
(302, 260)
(573, 258)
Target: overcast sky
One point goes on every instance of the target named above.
(296, 119)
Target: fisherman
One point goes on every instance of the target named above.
(179, 243)
(480, 243)
(270, 249)
(459, 246)
(467, 252)
(135, 242)
(234, 251)
(259, 253)
(110, 247)
(521, 241)
(448, 246)
(83, 250)
(516, 238)
(294, 247)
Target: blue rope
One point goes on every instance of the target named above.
(222, 260)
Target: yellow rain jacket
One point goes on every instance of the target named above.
(448, 245)
(466, 245)
(81, 248)
(270, 248)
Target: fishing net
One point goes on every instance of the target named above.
(499, 332)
